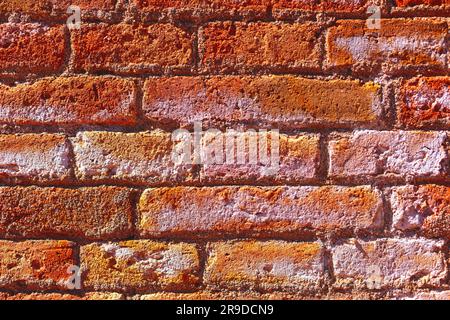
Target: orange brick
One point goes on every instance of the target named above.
(36, 265)
(31, 48)
(400, 45)
(63, 296)
(223, 295)
(86, 213)
(292, 8)
(69, 101)
(395, 154)
(424, 209)
(411, 3)
(131, 49)
(201, 9)
(45, 9)
(235, 46)
(424, 102)
(270, 101)
(140, 266)
(34, 157)
(265, 266)
(389, 263)
(299, 211)
(134, 157)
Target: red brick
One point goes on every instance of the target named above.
(400, 45)
(86, 213)
(395, 154)
(69, 101)
(298, 211)
(45, 9)
(131, 49)
(31, 48)
(265, 266)
(270, 101)
(63, 296)
(292, 8)
(144, 158)
(428, 295)
(36, 265)
(34, 157)
(424, 102)
(389, 263)
(235, 46)
(201, 9)
(425, 209)
(224, 295)
(411, 3)
(140, 266)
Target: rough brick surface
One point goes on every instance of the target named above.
(134, 157)
(398, 46)
(87, 213)
(69, 101)
(35, 157)
(201, 9)
(45, 9)
(140, 266)
(31, 48)
(424, 102)
(410, 3)
(205, 212)
(62, 296)
(422, 208)
(227, 46)
(399, 154)
(278, 101)
(389, 263)
(265, 266)
(131, 49)
(36, 265)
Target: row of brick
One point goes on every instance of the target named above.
(145, 266)
(108, 213)
(236, 295)
(153, 158)
(193, 10)
(282, 102)
(400, 46)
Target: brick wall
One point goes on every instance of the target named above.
(89, 191)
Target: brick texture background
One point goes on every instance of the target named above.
(87, 178)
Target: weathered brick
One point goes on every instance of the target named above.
(36, 265)
(31, 48)
(286, 159)
(411, 3)
(213, 211)
(422, 208)
(265, 266)
(236, 46)
(223, 295)
(131, 49)
(400, 45)
(201, 9)
(140, 266)
(63, 296)
(397, 154)
(292, 8)
(134, 157)
(34, 157)
(87, 213)
(69, 101)
(430, 295)
(277, 101)
(423, 102)
(388, 263)
(45, 9)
